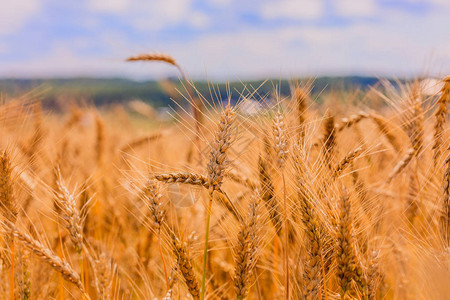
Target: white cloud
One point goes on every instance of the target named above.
(199, 20)
(389, 47)
(293, 9)
(108, 6)
(151, 15)
(221, 2)
(355, 8)
(15, 13)
(441, 3)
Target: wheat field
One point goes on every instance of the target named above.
(287, 199)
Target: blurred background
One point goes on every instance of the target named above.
(220, 40)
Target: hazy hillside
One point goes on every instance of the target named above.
(103, 91)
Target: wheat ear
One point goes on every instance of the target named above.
(196, 105)
(185, 266)
(268, 195)
(246, 250)
(154, 57)
(313, 268)
(152, 198)
(350, 121)
(48, 257)
(139, 142)
(216, 171)
(8, 208)
(346, 161)
(348, 267)
(385, 128)
(401, 164)
(301, 99)
(66, 202)
(414, 126)
(445, 216)
(441, 117)
(329, 140)
(186, 178)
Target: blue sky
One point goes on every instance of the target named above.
(225, 39)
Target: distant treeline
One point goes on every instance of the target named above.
(159, 93)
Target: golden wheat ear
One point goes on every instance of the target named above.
(348, 265)
(246, 250)
(162, 57)
(445, 215)
(68, 211)
(185, 266)
(441, 118)
(47, 256)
